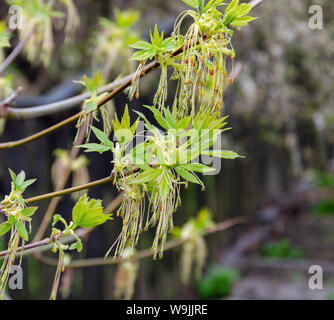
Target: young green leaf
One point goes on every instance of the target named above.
(55, 219)
(224, 154)
(242, 21)
(147, 176)
(143, 45)
(159, 117)
(191, 3)
(143, 55)
(24, 185)
(19, 182)
(4, 228)
(91, 105)
(28, 212)
(147, 123)
(139, 157)
(95, 147)
(183, 123)
(103, 137)
(197, 167)
(20, 178)
(21, 229)
(169, 118)
(164, 186)
(77, 245)
(185, 174)
(123, 130)
(233, 4)
(13, 176)
(88, 213)
(243, 9)
(169, 44)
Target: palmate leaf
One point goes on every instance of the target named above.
(158, 45)
(124, 132)
(88, 213)
(156, 38)
(236, 15)
(91, 84)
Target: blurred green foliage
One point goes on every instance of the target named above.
(281, 249)
(217, 283)
(324, 179)
(324, 208)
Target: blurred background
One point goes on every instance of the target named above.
(280, 109)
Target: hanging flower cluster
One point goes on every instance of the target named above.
(156, 168)
(4, 39)
(37, 16)
(17, 216)
(150, 174)
(194, 250)
(201, 68)
(78, 167)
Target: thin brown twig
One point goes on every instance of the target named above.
(35, 246)
(148, 68)
(151, 66)
(59, 106)
(4, 105)
(82, 263)
(70, 190)
(96, 262)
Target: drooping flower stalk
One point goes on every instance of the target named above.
(132, 213)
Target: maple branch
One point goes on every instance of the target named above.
(95, 262)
